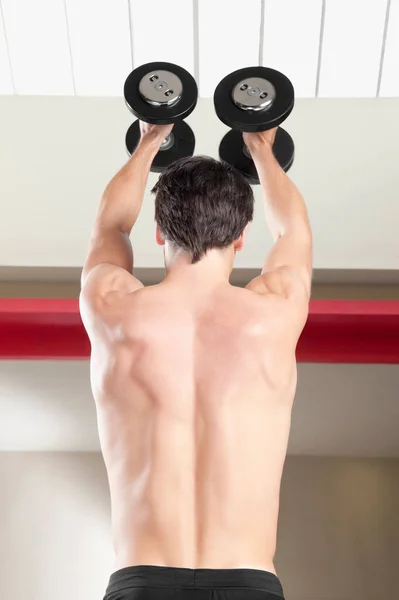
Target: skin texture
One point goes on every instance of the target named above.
(194, 379)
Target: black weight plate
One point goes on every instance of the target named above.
(284, 149)
(183, 145)
(231, 150)
(160, 115)
(253, 121)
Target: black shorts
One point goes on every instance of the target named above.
(169, 583)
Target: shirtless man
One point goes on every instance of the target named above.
(194, 379)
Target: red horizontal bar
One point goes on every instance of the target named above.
(330, 307)
(346, 331)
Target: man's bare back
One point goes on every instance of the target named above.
(194, 393)
(193, 378)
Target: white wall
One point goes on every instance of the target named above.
(54, 521)
(338, 535)
(57, 155)
(339, 410)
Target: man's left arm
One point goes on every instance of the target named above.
(109, 264)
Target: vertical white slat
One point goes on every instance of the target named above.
(38, 45)
(6, 83)
(351, 50)
(291, 41)
(99, 34)
(229, 36)
(162, 30)
(390, 70)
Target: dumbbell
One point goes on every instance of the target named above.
(162, 93)
(252, 100)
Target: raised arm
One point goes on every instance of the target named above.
(109, 263)
(287, 269)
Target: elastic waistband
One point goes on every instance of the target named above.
(167, 577)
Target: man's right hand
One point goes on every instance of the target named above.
(263, 138)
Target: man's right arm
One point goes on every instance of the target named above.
(288, 267)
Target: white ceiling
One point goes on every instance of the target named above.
(340, 410)
(329, 48)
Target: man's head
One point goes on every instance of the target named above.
(202, 204)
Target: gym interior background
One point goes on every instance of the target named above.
(63, 122)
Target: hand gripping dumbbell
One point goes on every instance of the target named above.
(162, 93)
(252, 100)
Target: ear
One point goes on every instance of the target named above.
(239, 243)
(159, 238)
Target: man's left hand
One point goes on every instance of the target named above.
(155, 133)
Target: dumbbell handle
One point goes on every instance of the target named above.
(168, 142)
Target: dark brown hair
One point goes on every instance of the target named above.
(201, 204)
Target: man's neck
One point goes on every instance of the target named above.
(214, 267)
